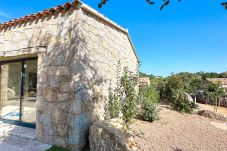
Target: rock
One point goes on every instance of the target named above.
(212, 115)
(62, 130)
(50, 94)
(110, 135)
(188, 97)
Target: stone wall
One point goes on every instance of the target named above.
(110, 135)
(106, 49)
(77, 63)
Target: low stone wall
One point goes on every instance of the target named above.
(110, 135)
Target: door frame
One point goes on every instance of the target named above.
(19, 122)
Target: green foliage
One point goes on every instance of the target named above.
(125, 98)
(178, 86)
(182, 105)
(129, 96)
(186, 82)
(150, 93)
(224, 4)
(141, 74)
(114, 105)
(149, 98)
(164, 3)
(175, 88)
(214, 91)
(206, 75)
(103, 2)
(159, 85)
(55, 148)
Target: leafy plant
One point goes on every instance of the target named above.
(183, 106)
(124, 99)
(114, 105)
(178, 87)
(214, 91)
(129, 96)
(149, 98)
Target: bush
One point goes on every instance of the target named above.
(114, 105)
(124, 99)
(150, 112)
(128, 97)
(183, 106)
(149, 98)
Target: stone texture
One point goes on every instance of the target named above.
(78, 54)
(110, 135)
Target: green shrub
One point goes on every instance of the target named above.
(114, 105)
(150, 112)
(183, 106)
(124, 99)
(149, 98)
(128, 97)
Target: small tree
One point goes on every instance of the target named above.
(129, 96)
(177, 88)
(114, 104)
(149, 97)
(125, 98)
(215, 92)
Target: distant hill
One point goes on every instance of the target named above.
(204, 75)
(225, 74)
(146, 75)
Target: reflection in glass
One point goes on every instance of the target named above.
(29, 94)
(10, 91)
(17, 92)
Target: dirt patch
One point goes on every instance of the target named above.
(176, 131)
(212, 115)
(220, 109)
(220, 125)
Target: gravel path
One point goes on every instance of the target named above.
(222, 110)
(17, 138)
(180, 132)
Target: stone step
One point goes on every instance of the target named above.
(17, 131)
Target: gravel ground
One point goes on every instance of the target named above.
(180, 132)
(222, 110)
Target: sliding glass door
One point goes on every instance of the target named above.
(10, 90)
(28, 104)
(18, 82)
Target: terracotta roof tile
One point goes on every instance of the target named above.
(37, 15)
(60, 8)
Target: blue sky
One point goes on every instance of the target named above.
(190, 35)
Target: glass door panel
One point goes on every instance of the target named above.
(10, 91)
(28, 106)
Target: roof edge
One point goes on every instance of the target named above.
(107, 20)
(66, 7)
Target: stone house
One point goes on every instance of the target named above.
(56, 69)
(144, 81)
(221, 81)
